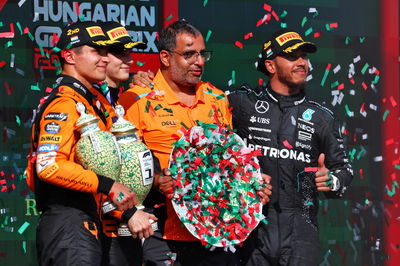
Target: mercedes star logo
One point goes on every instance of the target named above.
(261, 106)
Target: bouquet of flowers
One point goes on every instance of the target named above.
(216, 178)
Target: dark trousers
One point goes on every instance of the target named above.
(121, 251)
(67, 236)
(158, 251)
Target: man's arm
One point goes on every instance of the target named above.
(340, 172)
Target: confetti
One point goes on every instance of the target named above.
(23, 227)
(239, 44)
(215, 185)
(208, 35)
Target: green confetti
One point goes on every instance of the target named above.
(169, 17)
(19, 27)
(30, 36)
(35, 87)
(205, 3)
(24, 246)
(208, 35)
(56, 49)
(303, 22)
(120, 197)
(1, 24)
(348, 112)
(309, 31)
(365, 67)
(18, 120)
(362, 39)
(23, 227)
(233, 77)
(376, 79)
(347, 40)
(41, 50)
(140, 63)
(335, 84)
(396, 166)
(328, 28)
(185, 126)
(146, 109)
(8, 44)
(284, 13)
(283, 25)
(385, 115)
(81, 17)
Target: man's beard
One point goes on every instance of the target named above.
(294, 87)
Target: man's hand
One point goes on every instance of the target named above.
(266, 189)
(322, 179)
(140, 224)
(143, 79)
(122, 196)
(166, 184)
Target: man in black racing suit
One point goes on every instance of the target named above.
(299, 140)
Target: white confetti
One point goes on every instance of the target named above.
(21, 2)
(356, 59)
(373, 107)
(365, 136)
(336, 69)
(378, 158)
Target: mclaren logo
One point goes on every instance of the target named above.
(261, 106)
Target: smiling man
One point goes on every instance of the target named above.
(302, 150)
(178, 99)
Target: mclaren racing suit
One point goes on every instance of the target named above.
(66, 193)
(291, 132)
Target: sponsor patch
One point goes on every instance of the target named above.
(56, 116)
(52, 128)
(288, 36)
(95, 31)
(49, 171)
(261, 120)
(117, 33)
(44, 160)
(74, 39)
(307, 115)
(168, 123)
(261, 106)
(48, 147)
(304, 135)
(50, 138)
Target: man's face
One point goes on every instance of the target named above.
(120, 62)
(186, 71)
(292, 69)
(91, 63)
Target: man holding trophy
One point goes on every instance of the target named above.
(66, 193)
(178, 101)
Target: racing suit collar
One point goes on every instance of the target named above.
(285, 100)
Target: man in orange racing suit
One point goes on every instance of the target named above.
(66, 193)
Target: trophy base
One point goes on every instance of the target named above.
(123, 229)
(108, 206)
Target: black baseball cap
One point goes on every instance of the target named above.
(284, 41)
(83, 33)
(117, 32)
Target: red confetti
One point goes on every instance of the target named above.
(317, 34)
(239, 44)
(352, 81)
(275, 16)
(361, 174)
(248, 35)
(341, 86)
(389, 141)
(267, 7)
(364, 86)
(2, 63)
(287, 144)
(26, 30)
(333, 25)
(393, 101)
(311, 169)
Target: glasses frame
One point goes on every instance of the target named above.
(193, 58)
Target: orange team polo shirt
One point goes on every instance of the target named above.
(160, 117)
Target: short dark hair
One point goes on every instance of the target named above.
(167, 40)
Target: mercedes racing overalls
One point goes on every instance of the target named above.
(291, 132)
